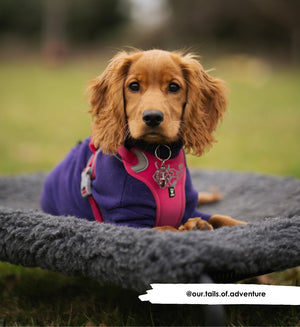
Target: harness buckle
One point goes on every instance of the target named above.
(86, 182)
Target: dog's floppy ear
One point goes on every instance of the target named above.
(206, 103)
(107, 104)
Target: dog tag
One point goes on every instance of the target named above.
(162, 176)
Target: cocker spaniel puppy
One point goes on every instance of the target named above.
(148, 107)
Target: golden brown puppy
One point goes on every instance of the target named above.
(159, 97)
(191, 101)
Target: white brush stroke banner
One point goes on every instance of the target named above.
(222, 294)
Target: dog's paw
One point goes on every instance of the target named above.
(166, 228)
(220, 220)
(194, 224)
(209, 197)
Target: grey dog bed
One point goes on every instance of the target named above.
(134, 258)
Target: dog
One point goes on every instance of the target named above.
(148, 109)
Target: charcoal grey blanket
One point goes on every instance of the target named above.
(134, 258)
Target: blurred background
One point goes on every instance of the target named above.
(49, 49)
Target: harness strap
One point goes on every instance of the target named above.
(87, 175)
(143, 166)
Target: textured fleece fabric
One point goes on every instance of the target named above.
(135, 258)
(122, 199)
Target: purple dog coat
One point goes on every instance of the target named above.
(144, 185)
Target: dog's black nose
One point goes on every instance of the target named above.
(153, 118)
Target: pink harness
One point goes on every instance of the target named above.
(164, 177)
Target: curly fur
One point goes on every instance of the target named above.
(204, 102)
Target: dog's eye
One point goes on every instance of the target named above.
(134, 86)
(173, 87)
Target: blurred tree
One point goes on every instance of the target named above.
(286, 15)
(72, 20)
(20, 19)
(249, 25)
(90, 20)
(54, 31)
(254, 26)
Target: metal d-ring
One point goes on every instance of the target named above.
(163, 159)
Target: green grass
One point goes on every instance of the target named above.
(261, 131)
(43, 114)
(43, 298)
(37, 297)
